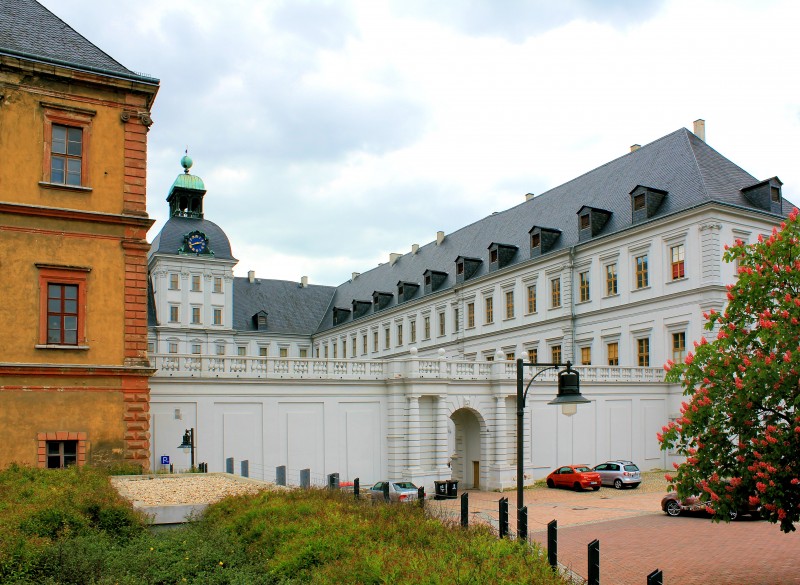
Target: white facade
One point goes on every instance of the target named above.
(425, 389)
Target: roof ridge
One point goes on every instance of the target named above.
(696, 163)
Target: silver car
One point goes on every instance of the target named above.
(399, 491)
(619, 473)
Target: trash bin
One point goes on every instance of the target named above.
(440, 490)
(452, 488)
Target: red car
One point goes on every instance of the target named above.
(578, 477)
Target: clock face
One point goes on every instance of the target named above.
(196, 243)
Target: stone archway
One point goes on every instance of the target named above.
(468, 464)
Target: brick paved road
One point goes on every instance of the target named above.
(689, 550)
(636, 537)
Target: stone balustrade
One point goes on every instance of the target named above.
(198, 366)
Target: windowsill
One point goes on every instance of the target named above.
(641, 288)
(533, 313)
(586, 302)
(469, 327)
(554, 308)
(683, 279)
(509, 319)
(611, 296)
(57, 346)
(65, 187)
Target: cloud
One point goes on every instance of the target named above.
(517, 20)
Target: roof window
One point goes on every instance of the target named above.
(501, 255)
(645, 202)
(591, 222)
(766, 195)
(543, 239)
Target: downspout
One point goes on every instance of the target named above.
(572, 303)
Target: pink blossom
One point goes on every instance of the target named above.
(762, 487)
(689, 358)
(781, 513)
(787, 357)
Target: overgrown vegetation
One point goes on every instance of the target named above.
(70, 526)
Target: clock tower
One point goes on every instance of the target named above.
(190, 267)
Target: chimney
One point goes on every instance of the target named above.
(700, 129)
(439, 238)
(303, 281)
(393, 257)
(635, 147)
(251, 276)
(529, 196)
(354, 276)
(414, 248)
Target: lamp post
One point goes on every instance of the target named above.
(188, 444)
(569, 396)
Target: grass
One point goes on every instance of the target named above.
(70, 526)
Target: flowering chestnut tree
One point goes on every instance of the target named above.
(739, 428)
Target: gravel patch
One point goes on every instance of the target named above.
(195, 488)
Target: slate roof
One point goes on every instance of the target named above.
(680, 163)
(29, 30)
(170, 239)
(291, 308)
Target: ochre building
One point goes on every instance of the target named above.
(73, 149)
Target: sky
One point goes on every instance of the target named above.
(330, 134)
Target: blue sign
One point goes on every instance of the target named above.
(165, 460)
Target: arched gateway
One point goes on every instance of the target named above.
(469, 455)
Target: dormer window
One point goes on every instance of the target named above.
(381, 300)
(360, 308)
(543, 239)
(645, 202)
(434, 279)
(765, 195)
(406, 290)
(340, 315)
(467, 267)
(260, 320)
(591, 222)
(501, 255)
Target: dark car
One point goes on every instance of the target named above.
(673, 505)
(619, 473)
(577, 477)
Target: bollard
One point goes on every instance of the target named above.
(522, 523)
(333, 481)
(594, 563)
(503, 518)
(421, 496)
(229, 465)
(305, 478)
(356, 487)
(386, 491)
(464, 510)
(552, 543)
(245, 465)
(171, 469)
(655, 578)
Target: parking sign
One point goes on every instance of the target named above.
(165, 460)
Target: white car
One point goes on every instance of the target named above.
(399, 491)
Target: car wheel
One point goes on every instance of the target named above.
(550, 483)
(733, 515)
(618, 483)
(577, 487)
(673, 508)
(595, 487)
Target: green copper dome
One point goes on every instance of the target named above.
(186, 194)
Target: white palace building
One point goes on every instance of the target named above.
(407, 370)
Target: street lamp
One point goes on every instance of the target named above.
(569, 397)
(188, 444)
